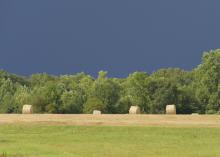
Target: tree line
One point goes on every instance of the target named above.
(195, 91)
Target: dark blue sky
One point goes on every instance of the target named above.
(69, 36)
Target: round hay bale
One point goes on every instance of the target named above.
(195, 114)
(97, 112)
(27, 109)
(171, 109)
(134, 110)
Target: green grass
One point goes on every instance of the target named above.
(107, 141)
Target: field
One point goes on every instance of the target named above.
(109, 135)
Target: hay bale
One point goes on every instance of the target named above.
(97, 112)
(27, 109)
(134, 110)
(195, 114)
(171, 109)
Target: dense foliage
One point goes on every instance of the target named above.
(192, 91)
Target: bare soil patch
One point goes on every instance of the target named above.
(113, 119)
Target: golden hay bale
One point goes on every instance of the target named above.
(27, 109)
(134, 110)
(97, 112)
(171, 109)
(195, 114)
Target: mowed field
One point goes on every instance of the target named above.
(51, 135)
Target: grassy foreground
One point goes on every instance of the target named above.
(107, 141)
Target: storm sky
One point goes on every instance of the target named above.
(119, 36)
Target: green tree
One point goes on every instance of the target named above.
(72, 102)
(161, 93)
(22, 96)
(207, 76)
(94, 104)
(135, 88)
(7, 90)
(107, 91)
